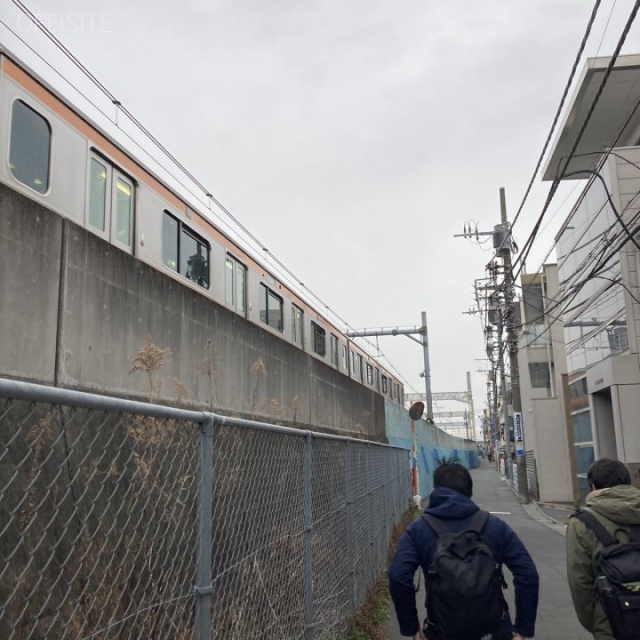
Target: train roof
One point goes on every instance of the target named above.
(256, 252)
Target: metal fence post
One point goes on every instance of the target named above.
(385, 491)
(308, 540)
(203, 588)
(370, 508)
(396, 490)
(350, 532)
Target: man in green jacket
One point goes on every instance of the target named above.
(616, 504)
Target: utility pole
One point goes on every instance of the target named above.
(502, 317)
(495, 319)
(508, 469)
(427, 369)
(512, 349)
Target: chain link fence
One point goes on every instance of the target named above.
(130, 520)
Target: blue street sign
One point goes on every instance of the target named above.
(517, 425)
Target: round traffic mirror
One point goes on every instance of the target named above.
(416, 410)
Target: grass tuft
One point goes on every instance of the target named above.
(375, 611)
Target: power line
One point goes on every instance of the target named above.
(576, 61)
(523, 256)
(289, 276)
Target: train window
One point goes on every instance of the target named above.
(319, 339)
(353, 362)
(377, 379)
(271, 307)
(359, 364)
(297, 326)
(194, 258)
(123, 211)
(184, 251)
(344, 358)
(384, 384)
(97, 194)
(110, 202)
(236, 285)
(334, 351)
(170, 231)
(369, 374)
(29, 147)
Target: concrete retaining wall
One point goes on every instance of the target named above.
(75, 311)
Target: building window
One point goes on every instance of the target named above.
(297, 326)
(369, 374)
(533, 303)
(319, 337)
(29, 147)
(236, 285)
(582, 432)
(578, 395)
(110, 202)
(384, 383)
(334, 351)
(184, 251)
(540, 376)
(618, 339)
(271, 308)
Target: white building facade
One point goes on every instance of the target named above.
(543, 368)
(598, 253)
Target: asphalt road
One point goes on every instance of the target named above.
(544, 538)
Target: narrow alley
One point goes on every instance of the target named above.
(544, 538)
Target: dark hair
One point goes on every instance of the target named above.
(605, 473)
(450, 474)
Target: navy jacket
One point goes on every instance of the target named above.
(417, 546)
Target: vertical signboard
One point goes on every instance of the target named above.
(518, 433)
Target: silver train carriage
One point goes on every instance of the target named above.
(57, 157)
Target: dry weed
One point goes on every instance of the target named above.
(368, 621)
(181, 390)
(148, 360)
(295, 407)
(39, 436)
(260, 371)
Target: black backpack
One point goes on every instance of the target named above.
(617, 581)
(464, 584)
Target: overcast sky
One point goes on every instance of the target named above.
(353, 138)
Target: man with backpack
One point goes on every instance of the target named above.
(603, 554)
(461, 550)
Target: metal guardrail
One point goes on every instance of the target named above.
(128, 520)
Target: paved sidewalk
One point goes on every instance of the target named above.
(542, 531)
(557, 512)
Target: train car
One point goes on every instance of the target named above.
(90, 213)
